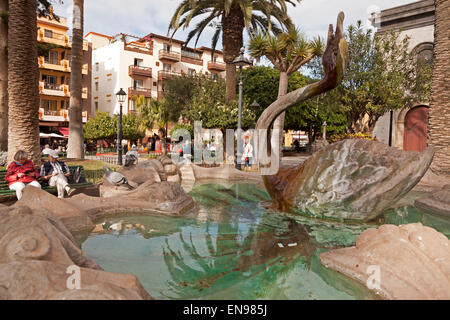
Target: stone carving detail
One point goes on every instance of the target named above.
(438, 202)
(414, 261)
(26, 244)
(41, 280)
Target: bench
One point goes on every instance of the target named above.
(5, 191)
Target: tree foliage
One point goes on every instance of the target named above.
(199, 98)
(256, 15)
(103, 126)
(382, 75)
(287, 51)
(261, 85)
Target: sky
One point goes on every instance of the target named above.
(141, 17)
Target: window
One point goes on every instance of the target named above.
(167, 67)
(96, 86)
(138, 62)
(49, 79)
(167, 47)
(52, 57)
(64, 104)
(214, 76)
(48, 33)
(97, 66)
(191, 72)
(96, 106)
(138, 84)
(131, 106)
(49, 105)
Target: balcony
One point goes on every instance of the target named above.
(85, 45)
(85, 69)
(165, 74)
(84, 93)
(54, 64)
(191, 57)
(140, 71)
(171, 56)
(49, 89)
(54, 38)
(146, 92)
(58, 115)
(216, 66)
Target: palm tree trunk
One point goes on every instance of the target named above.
(3, 75)
(75, 145)
(279, 122)
(439, 116)
(23, 74)
(232, 41)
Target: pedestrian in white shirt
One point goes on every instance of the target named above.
(248, 154)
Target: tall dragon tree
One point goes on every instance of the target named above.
(230, 18)
(288, 52)
(334, 62)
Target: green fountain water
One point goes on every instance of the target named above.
(232, 247)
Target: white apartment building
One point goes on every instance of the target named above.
(140, 67)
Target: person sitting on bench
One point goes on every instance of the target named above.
(21, 172)
(56, 173)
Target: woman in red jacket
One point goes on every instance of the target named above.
(21, 172)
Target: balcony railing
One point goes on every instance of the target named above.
(61, 115)
(139, 71)
(169, 55)
(164, 74)
(217, 66)
(52, 86)
(137, 91)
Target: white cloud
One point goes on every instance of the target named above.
(140, 17)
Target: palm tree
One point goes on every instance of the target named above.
(3, 75)
(23, 74)
(288, 52)
(230, 18)
(75, 144)
(44, 8)
(440, 103)
(153, 113)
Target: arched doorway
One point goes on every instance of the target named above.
(416, 129)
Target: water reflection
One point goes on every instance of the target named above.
(232, 247)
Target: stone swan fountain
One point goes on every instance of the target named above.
(352, 179)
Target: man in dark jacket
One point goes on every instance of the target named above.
(56, 173)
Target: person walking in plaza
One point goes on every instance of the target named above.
(56, 173)
(46, 150)
(248, 154)
(21, 172)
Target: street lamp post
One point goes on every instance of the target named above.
(121, 97)
(241, 62)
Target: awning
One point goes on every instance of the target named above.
(64, 131)
(51, 135)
